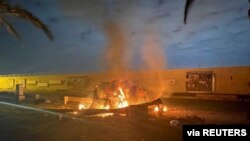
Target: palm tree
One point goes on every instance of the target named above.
(187, 6)
(17, 11)
(189, 3)
(249, 11)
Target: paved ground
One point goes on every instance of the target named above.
(18, 123)
(211, 111)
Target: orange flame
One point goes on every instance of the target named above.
(81, 107)
(156, 109)
(123, 103)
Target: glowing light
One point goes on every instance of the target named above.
(123, 104)
(165, 109)
(107, 107)
(122, 93)
(102, 115)
(75, 112)
(106, 115)
(123, 115)
(81, 107)
(156, 109)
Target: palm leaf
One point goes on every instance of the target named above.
(187, 6)
(9, 28)
(249, 11)
(22, 13)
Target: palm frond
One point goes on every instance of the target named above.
(9, 28)
(249, 11)
(187, 6)
(22, 13)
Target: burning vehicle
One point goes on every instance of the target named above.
(118, 97)
(117, 94)
(121, 97)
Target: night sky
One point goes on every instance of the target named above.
(96, 35)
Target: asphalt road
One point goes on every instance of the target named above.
(18, 123)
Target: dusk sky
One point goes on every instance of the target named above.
(148, 34)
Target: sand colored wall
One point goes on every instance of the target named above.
(47, 83)
(228, 80)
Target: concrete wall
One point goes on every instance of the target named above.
(228, 80)
(72, 83)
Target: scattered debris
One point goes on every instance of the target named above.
(192, 119)
(60, 117)
(174, 123)
(37, 97)
(39, 101)
(47, 101)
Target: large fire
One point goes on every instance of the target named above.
(117, 94)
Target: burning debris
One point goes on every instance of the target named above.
(81, 106)
(157, 109)
(120, 98)
(117, 94)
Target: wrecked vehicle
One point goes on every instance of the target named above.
(119, 97)
(117, 94)
(123, 97)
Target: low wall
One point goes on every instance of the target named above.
(226, 80)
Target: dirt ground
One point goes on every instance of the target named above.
(33, 124)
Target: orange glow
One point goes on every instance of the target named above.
(156, 109)
(165, 109)
(123, 104)
(107, 107)
(106, 115)
(102, 115)
(122, 93)
(81, 107)
(122, 97)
